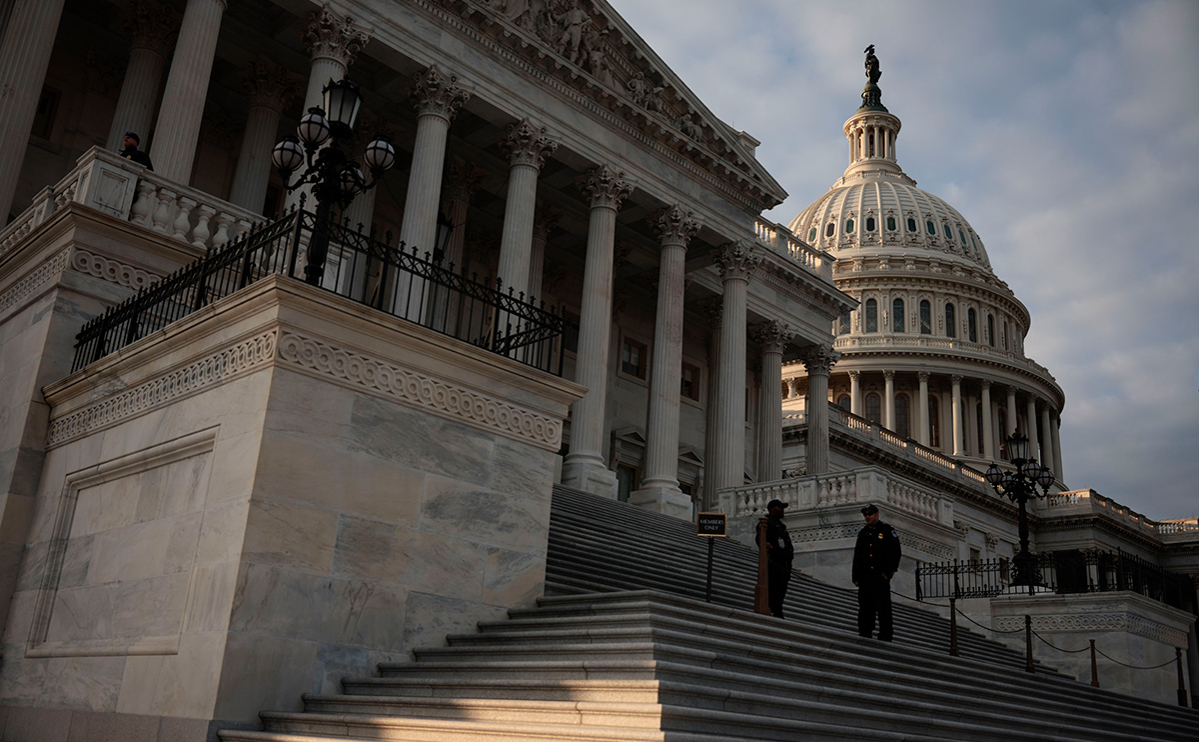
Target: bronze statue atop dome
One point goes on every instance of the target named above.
(873, 73)
(872, 95)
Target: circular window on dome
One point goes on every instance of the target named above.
(911, 224)
(849, 226)
(932, 228)
(828, 231)
(869, 224)
(890, 224)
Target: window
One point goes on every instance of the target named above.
(626, 481)
(945, 230)
(689, 383)
(632, 358)
(871, 315)
(961, 237)
(869, 224)
(845, 402)
(932, 228)
(874, 406)
(828, 230)
(911, 224)
(897, 315)
(972, 325)
(903, 416)
(991, 330)
(934, 422)
(43, 117)
(811, 234)
(849, 226)
(890, 224)
(843, 324)
(951, 322)
(926, 318)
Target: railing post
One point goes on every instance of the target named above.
(762, 588)
(1094, 667)
(953, 627)
(1182, 688)
(1028, 643)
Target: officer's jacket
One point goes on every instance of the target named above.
(876, 553)
(781, 551)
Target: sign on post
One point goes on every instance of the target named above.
(711, 524)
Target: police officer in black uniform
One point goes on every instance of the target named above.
(131, 152)
(875, 560)
(779, 553)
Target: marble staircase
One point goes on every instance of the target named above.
(623, 647)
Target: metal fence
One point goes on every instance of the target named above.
(1061, 572)
(389, 277)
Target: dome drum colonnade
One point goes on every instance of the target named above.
(934, 350)
(607, 177)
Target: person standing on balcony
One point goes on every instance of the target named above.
(875, 560)
(131, 151)
(779, 554)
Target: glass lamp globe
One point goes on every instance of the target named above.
(379, 155)
(1045, 478)
(351, 179)
(994, 475)
(288, 154)
(314, 128)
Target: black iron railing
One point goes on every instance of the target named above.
(389, 277)
(1061, 572)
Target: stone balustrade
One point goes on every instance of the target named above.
(863, 485)
(109, 183)
(780, 240)
(1088, 502)
(910, 342)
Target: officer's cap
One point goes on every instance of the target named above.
(772, 503)
(869, 509)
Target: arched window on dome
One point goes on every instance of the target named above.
(945, 230)
(951, 321)
(911, 224)
(991, 330)
(828, 230)
(972, 324)
(845, 402)
(897, 318)
(903, 416)
(871, 315)
(961, 237)
(812, 235)
(932, 228)
(934, 422)
(891, 226)
(874, 407)
(926, 317)
(870, 224)
(849, 226)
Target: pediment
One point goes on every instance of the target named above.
(587, 46)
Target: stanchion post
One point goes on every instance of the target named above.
(708, 591)
(1094, 667)
(1182, 688)
(762, 589)
(1028, 643)
(953, 627)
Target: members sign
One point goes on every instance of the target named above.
(710, 524)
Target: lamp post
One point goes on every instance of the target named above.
(334, 177)
(1019, 486)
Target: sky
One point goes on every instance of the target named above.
(1066, 133)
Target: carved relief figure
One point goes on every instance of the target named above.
(597, 61)
(572, 22)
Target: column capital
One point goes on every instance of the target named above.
(984, 383)
(605, 187)
(737, 260)
(152, 26)
(269, 85)
(714, 310)
(773, 336)
(956, 379)
(923, 376)
(819, 359)
(855, 375)
(889, 374)
(674, 225)
(329, 35)
(544, 217)
(461, 180)
(436, 94)
(526, 144)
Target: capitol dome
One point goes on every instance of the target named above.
(935, 350)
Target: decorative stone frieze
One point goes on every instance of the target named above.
(675, 225)
(605, 187)
(334, 37)
(153, 26)
(111, 270)
(41, 275)
(526, 144)
(1127, 622)
(434, 93)
(268, 84)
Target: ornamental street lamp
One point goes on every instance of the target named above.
(1019, 486)
(335, 179)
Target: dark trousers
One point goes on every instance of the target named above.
(778, 575)
(874, 599)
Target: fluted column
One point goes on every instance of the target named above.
(855, 392)
(659, 489)
(178, 131)
(988, 432)
(818, 360)
(544, 218)
(772, 337)
(526, 146)
(24, 58)
(924, 434)
(1011, 412)
(1047, 447)
(152, 30)
(1055, 428)
(584, 467)
(1034, 443)
(270, 89)
(958, 436)
(889, 400)
(714, 311)
(461, 181)
(736, 261)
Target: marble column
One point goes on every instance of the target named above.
(1011, 412)
(152, 30)
(855, 392)
(818, 360)
(714, 311)
(1047, 446)
(544, 218)
(1034, 443)
(659, 489)
(1055, 428)
(526, 146)
(178, 131)
(958, 437)
(889, 400)
(924, 433)
(584, 468)
(270, 90)
(772, 337)
(736, 261)
(24, 59)
(461, 181)
(988, 425)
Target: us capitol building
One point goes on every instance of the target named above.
(219, 503)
